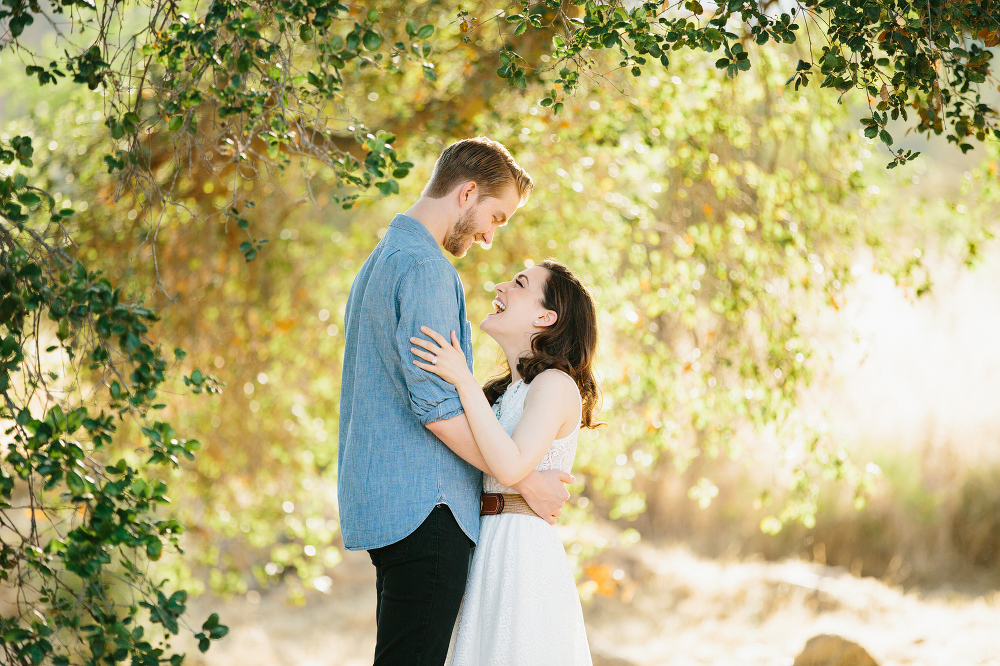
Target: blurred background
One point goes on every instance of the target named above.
(799, 359)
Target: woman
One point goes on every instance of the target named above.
(521, 605)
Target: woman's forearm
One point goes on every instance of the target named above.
(502, 454)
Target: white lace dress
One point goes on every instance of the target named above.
(521, 607)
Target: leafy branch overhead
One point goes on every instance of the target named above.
(926, 63)
(276, 81)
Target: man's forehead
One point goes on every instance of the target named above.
(507, 203)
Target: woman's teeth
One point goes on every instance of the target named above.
(498, 306)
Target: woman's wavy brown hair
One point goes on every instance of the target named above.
(568, 345)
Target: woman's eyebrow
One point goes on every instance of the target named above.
(521, 276)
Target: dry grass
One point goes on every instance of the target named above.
(670, 607)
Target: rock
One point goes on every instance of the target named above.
(825, 650)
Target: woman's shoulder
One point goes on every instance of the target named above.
(556, 381)
(555, 393)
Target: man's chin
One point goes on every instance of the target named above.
(463, 250)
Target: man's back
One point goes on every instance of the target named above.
(392, 471)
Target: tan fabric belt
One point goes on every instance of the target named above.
(496, 503)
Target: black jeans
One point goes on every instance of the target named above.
(420, 581)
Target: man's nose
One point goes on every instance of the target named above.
(488, 236)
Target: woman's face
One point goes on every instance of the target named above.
(517, 308)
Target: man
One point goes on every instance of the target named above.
(409, 478)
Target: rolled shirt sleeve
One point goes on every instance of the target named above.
(431, 295)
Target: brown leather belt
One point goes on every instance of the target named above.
(496, 503)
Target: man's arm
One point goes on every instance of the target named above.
(545, 492)
(457, 436)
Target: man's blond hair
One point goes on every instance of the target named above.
(483, 161)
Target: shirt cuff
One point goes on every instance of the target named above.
(443, 411)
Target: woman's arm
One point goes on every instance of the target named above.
(545, 492)
(552, 402)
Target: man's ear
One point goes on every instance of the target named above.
(467, 193)
(547, 319)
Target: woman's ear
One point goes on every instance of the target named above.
(547, 319)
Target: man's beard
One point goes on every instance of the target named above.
(456, 241)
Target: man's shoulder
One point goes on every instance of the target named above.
(398, 249)
(422, 265)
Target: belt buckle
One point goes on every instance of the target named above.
(491, 504)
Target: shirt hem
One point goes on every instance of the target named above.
(411, 530)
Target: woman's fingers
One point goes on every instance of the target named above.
(428, 367)
(427, 356)
(434, 335)
(426, 344)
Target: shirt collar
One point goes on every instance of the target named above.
(413, 226)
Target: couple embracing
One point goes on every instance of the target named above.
(451, 487)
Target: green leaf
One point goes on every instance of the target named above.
(75, 483)
(29, 198)
(372, 40)
(425, 31)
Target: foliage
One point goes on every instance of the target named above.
(931, 57)
(709, 213)
(79, 557)
(711, 221)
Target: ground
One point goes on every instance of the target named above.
(666, 607)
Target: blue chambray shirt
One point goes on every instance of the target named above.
(392, 471)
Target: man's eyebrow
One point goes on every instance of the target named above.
(503, 217)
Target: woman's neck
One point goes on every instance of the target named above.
(513, 354)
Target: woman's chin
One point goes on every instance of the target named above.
(488, 326)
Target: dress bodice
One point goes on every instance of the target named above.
(508, 410)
